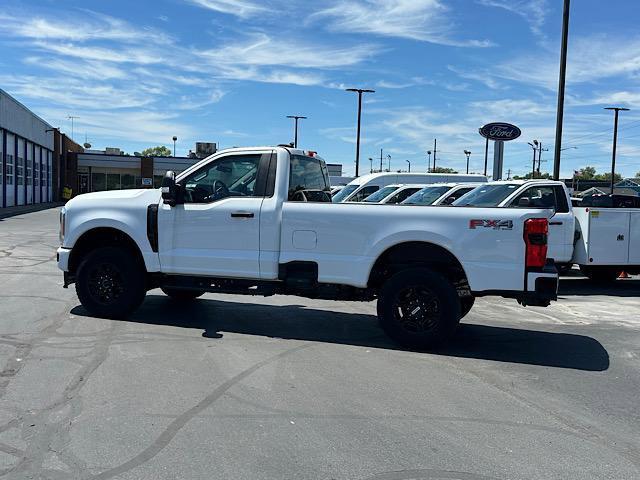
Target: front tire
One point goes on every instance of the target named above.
(419, 308)
(110, 282)
(182, 295)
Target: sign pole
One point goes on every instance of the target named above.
(498, 159)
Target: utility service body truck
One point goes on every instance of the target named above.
(228, 225)
(602, 241)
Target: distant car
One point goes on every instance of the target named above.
(440, 194)
(336, 189)
(392, 194)
(361, 187)
(611, 201)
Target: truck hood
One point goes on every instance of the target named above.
(112, 198)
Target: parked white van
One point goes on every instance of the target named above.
(360, 188)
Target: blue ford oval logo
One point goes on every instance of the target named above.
(500, 131)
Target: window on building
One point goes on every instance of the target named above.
(9, 169)
(113, 181)
(98, 181)
(29, 172)
(128, 180)
(20, 170)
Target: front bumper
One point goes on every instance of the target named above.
(62, 257)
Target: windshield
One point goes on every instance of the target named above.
(380, 194)
(486, 195)
(344, 193)
(426, 196)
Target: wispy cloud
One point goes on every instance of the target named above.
(534, 12)
(423, 20)
(239, 8)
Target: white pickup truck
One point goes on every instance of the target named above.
(601, 241)
(230, 224)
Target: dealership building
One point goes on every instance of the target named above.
(26, 153)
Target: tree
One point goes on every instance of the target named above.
(529, 175)
(637, 174)
(159, 151)
(606, 177)
(443, 170)
(586, 173)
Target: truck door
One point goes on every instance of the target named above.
(561, 225)
(216, 231)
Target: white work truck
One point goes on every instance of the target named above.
(601, 241)
(231, 224)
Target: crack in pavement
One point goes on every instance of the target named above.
(176, 425)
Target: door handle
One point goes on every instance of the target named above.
(242, 215)
(555, 223)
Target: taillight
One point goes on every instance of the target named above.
(535, 238)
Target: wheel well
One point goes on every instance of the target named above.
(102, 237)
(417, 254)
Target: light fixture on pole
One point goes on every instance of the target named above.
(371, 162)
(174, 145)
(360, 91)
(615, 141)
(429, 161)
(468, 154)
(295, 128)
(72, 118)
(409, 162)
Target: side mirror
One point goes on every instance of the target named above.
(524, 202)
(169, 189)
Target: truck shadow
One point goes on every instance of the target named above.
(575, 285)
(296, 322)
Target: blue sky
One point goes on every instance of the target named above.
(229, 71)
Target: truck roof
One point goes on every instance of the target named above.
(523, 182)
(370, 176)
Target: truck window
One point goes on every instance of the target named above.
(403, 195)
(232, 176)
(549, 196)
(364, 193)
(308, 175)
(380, 194)
(486, 195)
(344, 193)
(426, 195)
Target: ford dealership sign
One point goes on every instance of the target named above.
(500, 131)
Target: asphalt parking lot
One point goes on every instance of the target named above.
(288, 388)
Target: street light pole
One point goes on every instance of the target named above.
(468, 154)
(174, 145)
(389, 159)
(360, 91)
(409, 162)
(615, 141)
(486, 155)
(295, 128)
(561, 83)
(371, 162)
(534, 146)
(429, 161)
(435, 144)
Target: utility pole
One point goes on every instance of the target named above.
(409, 162)
(371, 162)
(380, 160)
(435, 144)
(360, 91)
(509, 174)
(295, 134)
(468, 154)
(561, 84)
(540, 150)
(429, 161)
(72, 118)
(534, 146)
(615, 141)
(486, 155)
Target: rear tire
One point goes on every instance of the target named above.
(182, 295)
(419, 308)
(110, 282)
(601, 274)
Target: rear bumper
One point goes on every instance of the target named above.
(540, 290)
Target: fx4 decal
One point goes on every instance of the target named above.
(494, 224)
